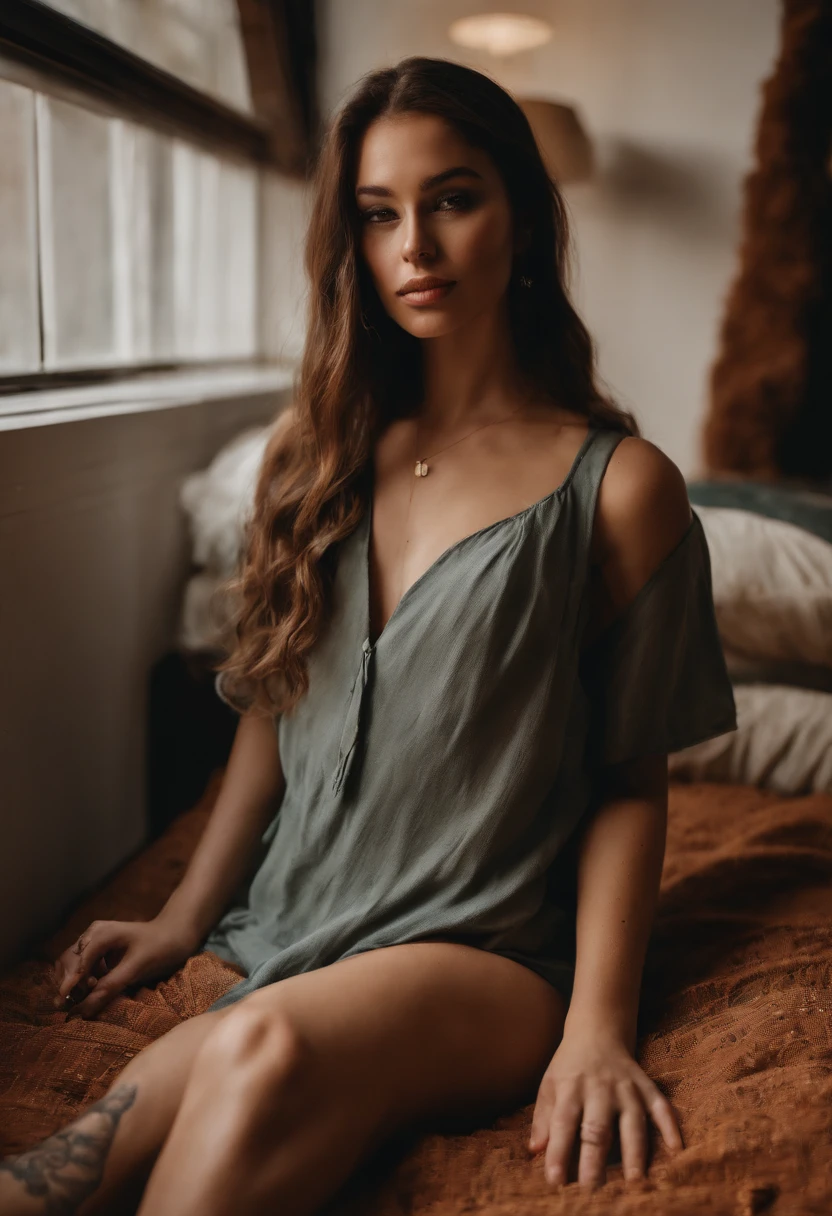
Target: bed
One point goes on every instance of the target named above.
(736, 1012)
(735, 1027)
(735, 1021)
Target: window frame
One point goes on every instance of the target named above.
(77, 56)
(52, 52)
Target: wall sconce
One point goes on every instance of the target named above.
(563, 142)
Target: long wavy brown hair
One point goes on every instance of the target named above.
(359, 369)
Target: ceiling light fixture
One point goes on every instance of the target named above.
(500, 33)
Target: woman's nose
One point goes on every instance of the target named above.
(418, 243)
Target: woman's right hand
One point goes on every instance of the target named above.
(115, 954)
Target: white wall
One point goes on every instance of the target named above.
(669, 92)
(95, 553)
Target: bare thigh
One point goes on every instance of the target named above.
(421, 1031)
(424, 1033)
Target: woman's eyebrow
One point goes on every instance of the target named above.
(426, 183)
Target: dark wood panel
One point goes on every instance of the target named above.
(78, 56)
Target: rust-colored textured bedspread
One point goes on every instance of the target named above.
(736, 1028)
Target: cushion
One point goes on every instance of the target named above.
(745, 670)
(783, 742)
(217, 501)
(807, 506)
(772, 587)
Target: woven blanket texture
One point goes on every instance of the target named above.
(735, 1027)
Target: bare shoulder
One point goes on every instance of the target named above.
(642, 513)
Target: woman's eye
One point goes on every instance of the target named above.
(370, 215)
(459, 202)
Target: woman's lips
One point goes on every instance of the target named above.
(432, 296)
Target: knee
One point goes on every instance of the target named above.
(253, 1045)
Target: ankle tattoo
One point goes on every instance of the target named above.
(67, 1167)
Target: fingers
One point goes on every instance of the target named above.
(104, 990)
(662, 1114)
(583, 1116)
(539, 1131)
(563, 1127)
(85, 960)
(74, 964)
(596, 1136)
(632, 1131)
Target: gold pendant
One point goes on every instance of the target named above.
(421, 469)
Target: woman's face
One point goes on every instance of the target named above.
(459, 228)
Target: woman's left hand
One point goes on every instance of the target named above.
(592, 1083)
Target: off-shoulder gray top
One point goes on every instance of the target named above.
(436, 777)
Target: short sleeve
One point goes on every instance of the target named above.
(656, 678)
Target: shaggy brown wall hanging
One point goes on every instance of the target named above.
(770, 415)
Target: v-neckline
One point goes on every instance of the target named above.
(592, 431)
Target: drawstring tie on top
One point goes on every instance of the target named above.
(352, 722)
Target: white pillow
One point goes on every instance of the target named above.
(206, 613)
(217, 501)
(772, 586)
(783, 742)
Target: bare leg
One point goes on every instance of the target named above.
(309, 1075)
(86, 1166)
(256, 1095)
(271, 1103)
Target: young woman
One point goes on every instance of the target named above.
(475, 614)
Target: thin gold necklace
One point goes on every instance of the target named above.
(422, 471)
(422, 468)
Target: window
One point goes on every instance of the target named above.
(130, 185)
(19, 319)
(198, 41)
